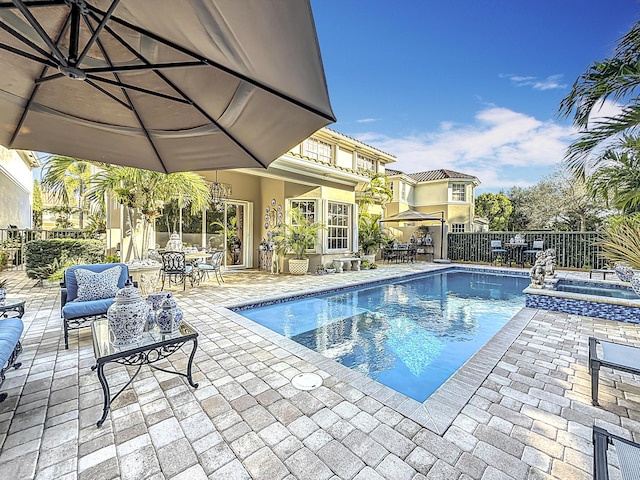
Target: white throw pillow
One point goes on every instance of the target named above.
(96, 286)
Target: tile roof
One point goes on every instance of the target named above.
(440, 174)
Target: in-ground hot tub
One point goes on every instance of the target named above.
(607, 300)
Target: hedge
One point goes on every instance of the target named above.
(40, 253)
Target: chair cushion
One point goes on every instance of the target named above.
(97, 285)
(10, 331)
(86, 309)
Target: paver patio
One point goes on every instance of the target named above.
(529, 418)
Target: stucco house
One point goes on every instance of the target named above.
(16, 187)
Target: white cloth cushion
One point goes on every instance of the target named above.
(96, 286)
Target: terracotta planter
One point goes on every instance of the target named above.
(298, 267)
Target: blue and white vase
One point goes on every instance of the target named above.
(170, 316)
(624, 272)
(635, 283)
(155, 302)
(127, 316)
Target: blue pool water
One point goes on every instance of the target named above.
(600, 290)
(410, 335)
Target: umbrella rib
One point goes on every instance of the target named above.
(97, 31)
(25, 40)
(219, 66)
(110, 95)
(36, 87)
(186, 97)
(128, 86)
(126, 95)
(40, 31)
(36, 3)
(152, 66)
(44, 61)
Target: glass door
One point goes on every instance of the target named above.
(227, 229)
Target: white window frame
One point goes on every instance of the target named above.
(365, 164)
(310, 216)
(455, 192)
(344, 215)
(458, 228)
(318, 150)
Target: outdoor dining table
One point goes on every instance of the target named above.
(515, 250)
(194, 258)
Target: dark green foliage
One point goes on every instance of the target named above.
(42, 253)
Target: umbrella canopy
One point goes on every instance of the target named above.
(410, 216)
(163, 85)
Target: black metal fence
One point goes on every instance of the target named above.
(13, 240)
(573, 249)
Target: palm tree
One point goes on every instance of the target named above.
(67, 180)
(618, 181)
(144, 193)
(375, 191)
(616, 79)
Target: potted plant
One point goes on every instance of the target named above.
(298, 236)
(370, 236)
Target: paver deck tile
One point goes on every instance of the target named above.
(528, 415)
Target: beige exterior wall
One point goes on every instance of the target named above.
(16, 187)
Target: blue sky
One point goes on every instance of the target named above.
(468, 85)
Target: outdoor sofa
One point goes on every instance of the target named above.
(10, 348)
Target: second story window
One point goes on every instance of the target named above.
(364, 164)
(457, 228)
(317, 150)
(458, 192)
(403, 192)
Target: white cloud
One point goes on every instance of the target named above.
(502, 148)
(367, 120)
(549, 83)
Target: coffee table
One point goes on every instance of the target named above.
(12, 305)
(151, 348)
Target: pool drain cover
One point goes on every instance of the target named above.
(306, 381)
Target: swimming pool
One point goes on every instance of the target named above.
(410, 335)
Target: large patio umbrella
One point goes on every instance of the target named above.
(414, 216)
(163, 85)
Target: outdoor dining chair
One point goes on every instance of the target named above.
(538, 245)
(175, 269)
(628, 454)
(213, 264)
(497, 251)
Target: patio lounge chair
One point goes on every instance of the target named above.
(627, 451)
(615, 356)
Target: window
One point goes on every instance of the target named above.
(403, 191)
(391, 188)
(307, 209)
(338, 226)
(317, 150)
(458, 192)
(457, 228)
(364, 164)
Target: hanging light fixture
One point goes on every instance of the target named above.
(219, 193)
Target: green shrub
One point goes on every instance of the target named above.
(40, 254)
